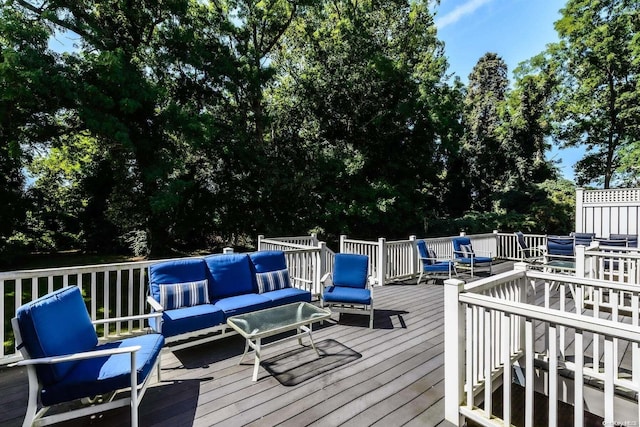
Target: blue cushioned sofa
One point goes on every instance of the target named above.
(197, 295)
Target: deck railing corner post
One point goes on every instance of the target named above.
(343, 237)
(580, 260)
(413, 256)
(454, 350)
(382, 261)
(260, 239)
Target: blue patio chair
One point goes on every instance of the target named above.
(464, 255)
(431, 265)
(583, 239)
(630, 239)
(527, 253)
(66, 363)
(560, 248)
(350, 290)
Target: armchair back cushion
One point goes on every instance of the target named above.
(560, 245)
(230, 275)
(350, 270)
(54, 325)
(584, 239)
(176, 272)
(462, 247)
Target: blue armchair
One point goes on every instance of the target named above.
(431, 265)
(66, 363)
(560, 248)
(466, 257)
(350, 290)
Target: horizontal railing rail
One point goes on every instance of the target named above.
(116, 290)
(501, 323)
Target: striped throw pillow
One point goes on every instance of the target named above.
(467, 251)
(432, 256)
(273, 280)
(177, 295)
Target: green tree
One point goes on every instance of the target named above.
(360, 96)
(596, 64)
(483, 145)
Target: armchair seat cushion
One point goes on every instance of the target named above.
(347, 295)
(241, 304)
(440, 266)
(288, 296)
(91, 377)
(189, 319)
(476, 260)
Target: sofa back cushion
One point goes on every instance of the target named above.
(56, 324)
(180, 271)
(265, 261)
(273, 280)
(178, 295)
(230, 275)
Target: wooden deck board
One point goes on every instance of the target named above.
(391, 375)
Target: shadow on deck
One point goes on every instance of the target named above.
(391, 375)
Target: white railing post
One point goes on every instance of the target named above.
(579, 210)
(314, 239)
(580, 261)
(260, 238)
(343, 237)
(454, 350)
(382, 261)
(413, 257)
(321, 264)
(227, 250)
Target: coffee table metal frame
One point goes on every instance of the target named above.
(294, 319)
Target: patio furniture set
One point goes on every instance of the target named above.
(464, 257)
(558, 254)
(192, 301)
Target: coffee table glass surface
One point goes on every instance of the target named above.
(275, 320)
(260, 324)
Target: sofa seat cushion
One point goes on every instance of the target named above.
(476, 260)
(231, 275)
(288, 296)
(347, 295)
(241, 304)
(91, 377)
(189, 319)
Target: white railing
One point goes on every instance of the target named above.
(284, 243)
(115, 290)
(111, 290)
(507, 246)
(585, 353)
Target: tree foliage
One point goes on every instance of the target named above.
(595, 66)
(177, 125)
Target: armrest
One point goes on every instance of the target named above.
(325, 277)
(154, 304)
(127, 318)
(77, 356)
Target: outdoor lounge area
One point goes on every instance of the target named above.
(384, 365)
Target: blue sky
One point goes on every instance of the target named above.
(514, 29)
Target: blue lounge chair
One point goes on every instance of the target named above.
(527, 253)
(465, 257)
(350, 290)
(431, 265)
(560, 248)
(66, 363)
(583, 239)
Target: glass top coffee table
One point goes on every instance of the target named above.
(264, 323)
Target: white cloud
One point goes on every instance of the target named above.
(456, 14)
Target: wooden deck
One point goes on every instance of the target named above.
(390, 376)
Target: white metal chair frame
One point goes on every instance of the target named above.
(35, 417)
(340, 307)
